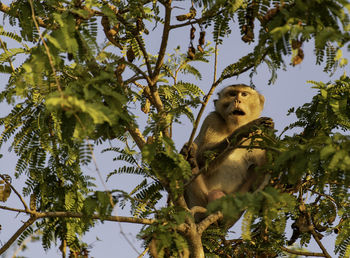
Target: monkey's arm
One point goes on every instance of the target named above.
(226, 146)
(242, 132)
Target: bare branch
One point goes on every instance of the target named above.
(13, 209)
(164, 42)
(198, 209)
(324, 250)
(302, 253)
(29, 222)
(204, 224)
(143, 253)
(204, 104)
(145, 55)
(65, 214)
(137, 136)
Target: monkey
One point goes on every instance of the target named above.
(237, 112)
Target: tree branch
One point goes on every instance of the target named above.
(324, 250)
(145, 55)
(164, 42)
(29, 222)
(200, 113)
(137, 136)
(198, 209)
(301, 252)
(66, 214)
(204, 224)
(12, 209)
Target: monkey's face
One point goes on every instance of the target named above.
(239, 104)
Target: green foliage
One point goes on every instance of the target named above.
(69, 91)
(169, 242)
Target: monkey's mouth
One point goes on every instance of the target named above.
(238, 112)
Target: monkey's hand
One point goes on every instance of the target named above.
(245, 130)
(190, 153)
(262, 121)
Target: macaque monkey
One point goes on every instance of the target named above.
(237, 110)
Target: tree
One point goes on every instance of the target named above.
(72, 92)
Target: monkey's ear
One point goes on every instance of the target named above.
(215, 101)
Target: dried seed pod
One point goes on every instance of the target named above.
(119, 70)
(5, 189)
(200, 49)
(114, 30)
(298, 58)
(140, 25)
(191, 52)
(32, 202)
(146, 107)
(193, 12)
(187, 16)
(70, 56)
(130, 54)
(150, 140)
(182, 17)
(296, 44)
(201, 40)
(249, 35)
(192, 31)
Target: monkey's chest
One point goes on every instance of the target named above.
(232, 172)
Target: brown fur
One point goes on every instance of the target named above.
(237, 105)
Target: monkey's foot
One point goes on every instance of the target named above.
(215, 194)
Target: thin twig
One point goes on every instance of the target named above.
(287, 250)
(65, 214)
(216, 62)
(6, 51)
(324, 195)
(145, 55)
(164, 42)
(199, 116)
(13, 209)
(143, 253)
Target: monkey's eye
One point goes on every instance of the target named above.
(244, 94)
(233, 93)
